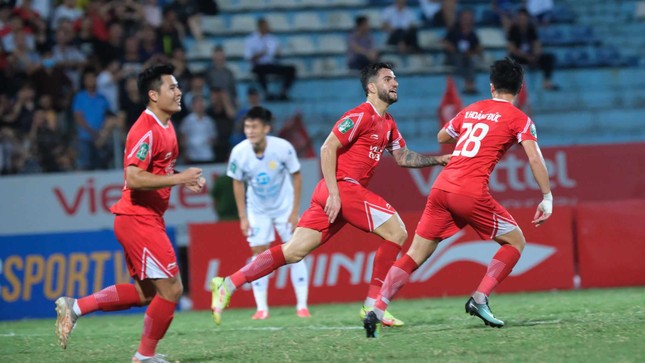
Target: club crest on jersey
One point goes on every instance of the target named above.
(345, 126)
(143, 151)
(533, 130)
(273, 164)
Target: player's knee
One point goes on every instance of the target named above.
(175, 292)
(514, 238)
(172, 292)
(399, 236)
(145, 300)
(293, 257)
(520, 243)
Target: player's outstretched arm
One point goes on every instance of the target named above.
(139, 179)
(328, 159)
(541, 174)
(410, 159)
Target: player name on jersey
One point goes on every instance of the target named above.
(477, 115)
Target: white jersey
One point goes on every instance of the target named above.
(268, 178)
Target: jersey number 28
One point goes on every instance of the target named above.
(471, 139)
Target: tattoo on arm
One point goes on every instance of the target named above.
(411, 159)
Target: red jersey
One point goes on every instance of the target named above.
(485, 131)
(364, 135)
(150, 146)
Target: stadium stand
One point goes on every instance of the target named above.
(599, 65)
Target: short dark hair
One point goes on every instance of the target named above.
(371, 70)
(360, 20)
(150, 78)
(507, 76)
(261, 113)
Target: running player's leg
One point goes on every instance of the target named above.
(511, 246)
(371, 213)
(160, 312)
(313, 230)
(298, 271)
(260, 236)
(304, 241)
(399, 274)
(112, 298)
(492, 221)
(157, 279)
(436, 224)
(394, 235)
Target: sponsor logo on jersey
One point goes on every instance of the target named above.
(263, 179)
(143, 151)
(533, 130)
(374, 136)
(345, 126)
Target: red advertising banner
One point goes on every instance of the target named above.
(577, 173)
(611, 243)
(341, 269)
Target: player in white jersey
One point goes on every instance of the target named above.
(262, 167)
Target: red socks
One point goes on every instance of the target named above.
(397, 277)
(158, 317)
(265, 263)
(112, 298)
(385, 256)
(501, 265)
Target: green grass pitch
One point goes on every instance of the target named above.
(605, 325)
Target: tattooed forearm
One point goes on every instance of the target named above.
(410, 159)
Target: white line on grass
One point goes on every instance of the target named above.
(276, 328)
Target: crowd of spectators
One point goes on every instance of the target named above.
(68, 89)
(68, 92)
(461, 45)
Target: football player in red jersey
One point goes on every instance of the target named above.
(483, 132)
(149, 169)
(349, 157)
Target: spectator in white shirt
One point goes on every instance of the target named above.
(401, 24)
(67, 10)
(439, 12)
(198, 134)
(262, 49)
(540, 10)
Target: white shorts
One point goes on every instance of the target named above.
(262, 229)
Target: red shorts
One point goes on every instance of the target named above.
(446, 213)
(359, 207)
(148, 251)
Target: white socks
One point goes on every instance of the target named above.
(260, 293)
(76, 308)
(300, 282)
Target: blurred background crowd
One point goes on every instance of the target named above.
(68, 68)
